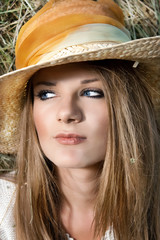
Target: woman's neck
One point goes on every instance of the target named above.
(79, 187)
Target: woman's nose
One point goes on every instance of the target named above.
(69, 111)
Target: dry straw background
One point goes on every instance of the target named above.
(142, 18)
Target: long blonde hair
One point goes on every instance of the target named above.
(128, 198)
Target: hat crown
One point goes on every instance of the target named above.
(57, 19)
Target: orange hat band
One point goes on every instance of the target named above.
(97, 32)
(88, 33)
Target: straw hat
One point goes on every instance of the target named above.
(65, 31)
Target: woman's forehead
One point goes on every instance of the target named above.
(72, 70)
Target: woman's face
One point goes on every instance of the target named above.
(71, 115)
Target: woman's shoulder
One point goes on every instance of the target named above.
(7, 201)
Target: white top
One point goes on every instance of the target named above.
(7, 200)
(7, 222)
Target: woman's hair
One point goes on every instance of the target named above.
(128, 197)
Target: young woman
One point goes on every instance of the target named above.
(84, 131)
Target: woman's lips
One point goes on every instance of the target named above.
(70, 139)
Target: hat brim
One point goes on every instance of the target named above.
(142, 50)
(146, 51)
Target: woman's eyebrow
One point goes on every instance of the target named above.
(89, 81)
(45, 83)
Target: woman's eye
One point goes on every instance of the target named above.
(93, 93)
(45, 94)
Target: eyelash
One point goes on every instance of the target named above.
(41, 94)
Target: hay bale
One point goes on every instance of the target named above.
(13, 14)
(142, 17)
